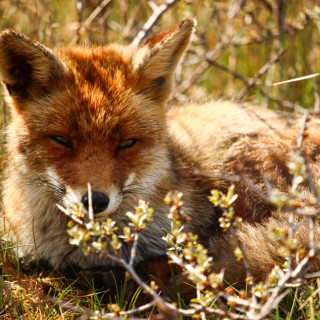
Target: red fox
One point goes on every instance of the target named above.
(99, 115)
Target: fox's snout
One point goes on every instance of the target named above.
(100, 201)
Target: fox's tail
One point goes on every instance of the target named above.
(264, 246)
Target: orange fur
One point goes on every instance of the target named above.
(98, 115)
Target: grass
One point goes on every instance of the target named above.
(55, 23)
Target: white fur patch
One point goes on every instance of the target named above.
(158, 169)
(53, 177)
(129, 180)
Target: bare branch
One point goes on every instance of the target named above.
(262, 71)
(93, 15)
(85, 26)
(158, 11)
(134, 249)
(90, 208)
(278, 293)
(302, 130)
(202, 67)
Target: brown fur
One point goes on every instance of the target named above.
(97, 98)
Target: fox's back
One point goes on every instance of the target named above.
(210, 124)
(241, 144)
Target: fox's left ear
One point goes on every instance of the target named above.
(157, 59)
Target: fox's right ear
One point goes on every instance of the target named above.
(157, 59)
(26, 66)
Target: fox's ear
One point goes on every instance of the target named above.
(26, 66)
(157, 59)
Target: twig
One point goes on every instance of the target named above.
(211, 311)
(145, 307)
(197, 309)
(185, 86)
(311, 184)
(5, 114)
(210, 56)
(315, 84)
(302, 130)
(274, 299)
(67, 305)
(312, 251)
(9, 295)
(234, 8)
(90, 209)
(302, 135)
(158, 11)
(163, 306)
(93, 15)
(134, 249)
(79, 10)
(245, 261)
(309, 76)
(262, 71)
(312, 275)
(237, 178)
(70, 214)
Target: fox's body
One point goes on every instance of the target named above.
(98, 115)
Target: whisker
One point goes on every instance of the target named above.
(42, 181)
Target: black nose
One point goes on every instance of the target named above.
(100, 201)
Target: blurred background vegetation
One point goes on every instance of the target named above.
(237, 51)
(234, 40)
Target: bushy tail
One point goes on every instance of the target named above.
(263, 245)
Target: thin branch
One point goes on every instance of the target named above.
(79, 11)
(90, 208)
(145, 307)
(4, 114)
(85, 25)
(315, 83)
(134, 249)
(237, 178)
(245, 261)
(202, 67)
(262, 71)
(163, 306)
(13, 301)
(158, 11)
(274, 299)
(70, 214)
(94, 14)
(210, 56)
(302, 130)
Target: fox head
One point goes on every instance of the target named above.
(90, 115)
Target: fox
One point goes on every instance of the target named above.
(100, 115)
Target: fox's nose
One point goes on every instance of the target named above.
(100, 201)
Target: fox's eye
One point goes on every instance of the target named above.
(126, 144)
(63, 141)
